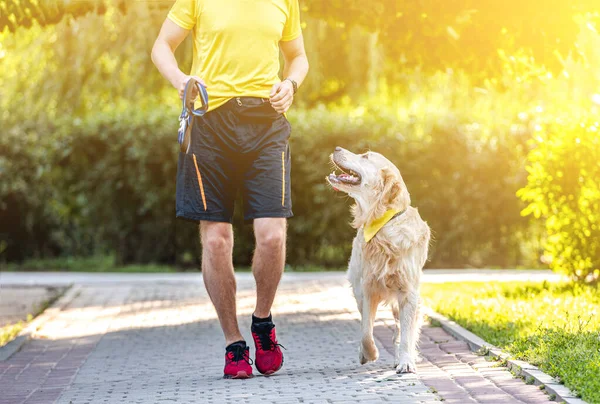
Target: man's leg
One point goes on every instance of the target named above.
(268, 261)
(219, 278)
(267, 266)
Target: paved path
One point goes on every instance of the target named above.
(429, 276)
(159, 342)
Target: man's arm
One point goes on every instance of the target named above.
(295, 68)
(163, 55)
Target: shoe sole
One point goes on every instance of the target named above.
(240, 375)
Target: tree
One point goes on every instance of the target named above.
(464, 33)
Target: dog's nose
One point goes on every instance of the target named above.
(338, 148)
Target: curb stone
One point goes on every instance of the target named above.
(518, 367)
(6, 351)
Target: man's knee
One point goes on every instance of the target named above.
(274, 240)
(217, 238)
(270, 234)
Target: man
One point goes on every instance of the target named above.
(240, 144)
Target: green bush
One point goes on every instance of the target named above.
(564, 188)
(88, 152)
(563, 185)
(106, 184)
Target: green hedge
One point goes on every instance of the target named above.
(564, 189)
(106, 184)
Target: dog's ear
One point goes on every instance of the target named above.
(395, 192)
(391, 189)
(394, 189)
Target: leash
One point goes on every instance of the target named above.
(188, 112)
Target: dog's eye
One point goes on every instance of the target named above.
(365, 156)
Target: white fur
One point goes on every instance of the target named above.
(388, 268)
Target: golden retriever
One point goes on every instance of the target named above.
(388, 267)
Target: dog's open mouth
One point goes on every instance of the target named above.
(347, 175)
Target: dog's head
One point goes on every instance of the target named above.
(372, 180)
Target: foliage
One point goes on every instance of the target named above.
(98, 263)
(564, 177)
(564, 188)
(10, 332)
(88, 157)
(80, 66)
(106, 184)
(107, 263)
(552, 325)
(25, 13)
(462, 34)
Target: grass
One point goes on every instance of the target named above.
(106, 263)
(102, 263)
(10, 331)
(555, 326)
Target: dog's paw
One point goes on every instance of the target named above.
(406, 367)
(361, 357)
(368, 353)
(419, 359)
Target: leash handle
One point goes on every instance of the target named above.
(188, 101)
(188, 112)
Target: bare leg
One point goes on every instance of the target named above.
(368, 351)
(218, 275)
(268, 261)
(406, 352)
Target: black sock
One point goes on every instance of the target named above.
(256, 320)
(241, 343)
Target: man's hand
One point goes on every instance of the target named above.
(181, 82)
(282, 96)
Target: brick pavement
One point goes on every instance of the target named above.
(161, 343)
(459, 375)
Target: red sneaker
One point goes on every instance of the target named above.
(237, 361)
(269, 358)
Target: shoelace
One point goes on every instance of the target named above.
(266, 342)
(238, 353)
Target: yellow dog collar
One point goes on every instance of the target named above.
(371, 229)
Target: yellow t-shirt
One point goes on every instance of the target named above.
(236, 43)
